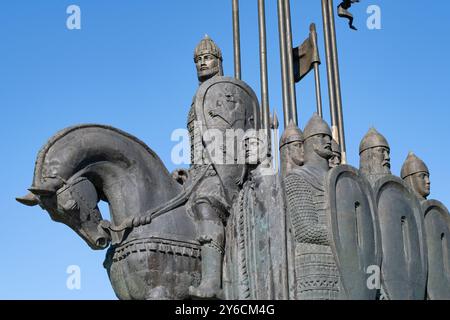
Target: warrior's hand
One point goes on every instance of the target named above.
(180, 176)
(240, 180)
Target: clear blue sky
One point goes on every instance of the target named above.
(131, 66)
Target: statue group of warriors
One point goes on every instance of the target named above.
(319, 230)
(341, 217)
(231, 226)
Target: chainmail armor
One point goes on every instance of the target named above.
(316, 272)
(303, 212)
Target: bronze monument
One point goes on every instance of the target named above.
(234, 225)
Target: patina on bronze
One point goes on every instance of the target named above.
(315, 262)
(437, 228)
(400, 221)
(232, 226)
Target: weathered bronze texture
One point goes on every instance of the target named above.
(234, 226)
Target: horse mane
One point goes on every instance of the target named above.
(64, 132)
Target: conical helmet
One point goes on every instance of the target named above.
(373, 139)
(207, 46)
(291, 134)
(316, 125)
(412, 165)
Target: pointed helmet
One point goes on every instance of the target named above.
(413, 164)
(316, 125)
(292, 133)
(207, 46)
(372, 139)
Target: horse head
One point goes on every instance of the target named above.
(82, 165)
(73, 203)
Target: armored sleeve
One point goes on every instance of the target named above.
(302, 212)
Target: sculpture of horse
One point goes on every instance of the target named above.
(153, 252)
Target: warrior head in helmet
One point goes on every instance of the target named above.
(374, 153)
(291, 148)
(335, 160)
(208, 59)
(416, 174)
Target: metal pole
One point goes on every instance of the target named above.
(283, 58)
(330, 77)
(236, 40)
(318, 90)
(275, 126)
(290, 61)
(264, 78)
(316, 72)
(337, 82)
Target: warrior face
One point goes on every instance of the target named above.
(254, 150)
(382, 156)
(376, 160)
(322, 145)
(421, 183)
(296, 153)
(335, 160)
(207, 66)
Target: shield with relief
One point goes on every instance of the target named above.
(352, 221)
(226, 108)
(404, 261)
(437, 229)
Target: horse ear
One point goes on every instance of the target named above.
(29, 200)
(41, 191)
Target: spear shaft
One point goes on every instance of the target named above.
(330, 78)
(263, 67)
(236, 40)
(283, 61)
(290, 62)
(337, 82)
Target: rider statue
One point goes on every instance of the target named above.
(208, 204)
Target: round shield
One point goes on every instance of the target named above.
(352, 221)
(437, 229)
(226, 108)
(404, 261)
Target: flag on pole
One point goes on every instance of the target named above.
(344, 13)
(306, 55)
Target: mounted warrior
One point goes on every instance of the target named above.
(221, 106)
